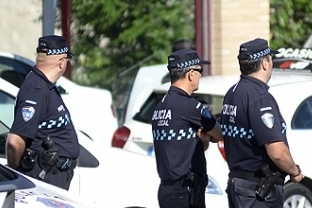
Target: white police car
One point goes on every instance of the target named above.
(83, 102)
(18, 190)
(292, 91)
(125, 179)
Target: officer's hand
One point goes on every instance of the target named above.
(297, 178)
(204, 138)
(203, 135)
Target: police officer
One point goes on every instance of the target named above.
(42, 142)
(254, 134)
(182, 128)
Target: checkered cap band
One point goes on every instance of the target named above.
(188, 63)
(260, 54)
(57, 51)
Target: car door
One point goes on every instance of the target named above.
(295, 103)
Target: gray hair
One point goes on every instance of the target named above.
(177, 74)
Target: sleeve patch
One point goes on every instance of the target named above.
(28, 112)
(268, 120)
(198, 105)
(205, 113)
(266, 109)
(31, 102)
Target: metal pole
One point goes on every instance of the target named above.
(198, 27)
(66, 16)
(207, 40)
(48, 16)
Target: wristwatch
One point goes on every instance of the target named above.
(299, 172)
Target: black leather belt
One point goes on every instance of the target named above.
(250, 176)
(179, 182)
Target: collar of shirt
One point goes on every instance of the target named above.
(246, 78)
(179, 91)
(40, 74)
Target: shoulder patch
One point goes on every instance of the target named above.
(28, 112)
(205, 113)
(268, 120)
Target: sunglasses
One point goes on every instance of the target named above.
(68, 58)
(199, 70)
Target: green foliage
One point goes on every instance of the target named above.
(290, 22)
(112, 36)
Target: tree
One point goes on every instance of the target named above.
(112, 36)
(290, 22)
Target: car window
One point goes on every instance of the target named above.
(213, 102)
(6, 108)
(15, 71)
(303, 116)
(4, 130)
(12, 71)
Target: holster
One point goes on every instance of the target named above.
(47, 160)
(267, 183)
(197, 190)
(29, 159)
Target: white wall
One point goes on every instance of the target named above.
(20, 26)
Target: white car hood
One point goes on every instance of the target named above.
(42, 195)
(127, 178)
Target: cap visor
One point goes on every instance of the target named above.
(204, 62)
(273, 51)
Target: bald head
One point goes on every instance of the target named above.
(52, 56)
(51, 66)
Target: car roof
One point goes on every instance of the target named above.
(219, 84)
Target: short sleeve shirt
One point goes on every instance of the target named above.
(250, 118)
(175, 122)
(40, 112)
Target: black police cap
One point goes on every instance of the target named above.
(184, 58)
(255, 49)
(53, 45)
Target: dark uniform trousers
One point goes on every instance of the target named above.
(175, 196)
(241, 194)
(55, 177)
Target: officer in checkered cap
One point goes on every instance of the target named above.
(53, 45)
(42, 142)
(254, 134)
(182, 128)
(251, 53)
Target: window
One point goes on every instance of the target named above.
(146, 111)
(3, 135)
(6, 108)
(12, 71)
(303, 116)
(15, 71)
(213, 102)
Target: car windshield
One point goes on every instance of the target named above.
(213, 102)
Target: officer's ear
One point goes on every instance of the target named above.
(190, 75)
(266, 62)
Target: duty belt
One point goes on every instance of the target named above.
(65, 164)
(250, 176)
(179, 182)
